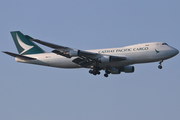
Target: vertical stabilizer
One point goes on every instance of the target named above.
(24, 45)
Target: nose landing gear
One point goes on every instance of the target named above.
(160, 66)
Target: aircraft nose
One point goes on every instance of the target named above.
(172, 52)
(176, 51)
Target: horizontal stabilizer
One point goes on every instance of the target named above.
(19, 56)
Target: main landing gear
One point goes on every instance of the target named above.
(95, 71)
(106, 73)
(160, 66)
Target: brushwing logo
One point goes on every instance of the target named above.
(157, 51)
(23, 45)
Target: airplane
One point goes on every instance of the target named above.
(111, 60)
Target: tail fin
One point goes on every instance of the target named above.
(24, 45)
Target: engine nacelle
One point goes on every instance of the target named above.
(115, 71)
(104, 59)
(74, 53)
(111, 59)
(128, 69)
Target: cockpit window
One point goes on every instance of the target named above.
(164, 44)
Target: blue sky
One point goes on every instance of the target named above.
(38, 92)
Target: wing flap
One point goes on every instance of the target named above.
(83, 62)
(61, 53)
(117, 58)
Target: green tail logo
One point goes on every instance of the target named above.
(24, 45)
(157, 51)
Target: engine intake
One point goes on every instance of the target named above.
(104, 59)
(74, 53)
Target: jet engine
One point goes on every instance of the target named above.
(115, 71)
(127, 69)
(104, 59)
(74, 53)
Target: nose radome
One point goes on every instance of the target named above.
(175, 51)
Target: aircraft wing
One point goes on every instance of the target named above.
(66, 51)
(84, 58)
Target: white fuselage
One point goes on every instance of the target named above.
(139, 53)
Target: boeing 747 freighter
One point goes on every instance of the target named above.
(111, 60)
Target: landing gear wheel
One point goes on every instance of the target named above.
(94, 74)
(105, 75)
(94, 71)
(90, 71)
(160, 67)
